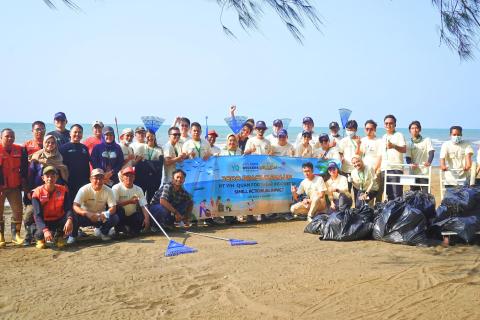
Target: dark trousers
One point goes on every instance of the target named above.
(393, 191)
(55, 226)
(164, 216)
(133, 221)
(423, 188)
(82, 221)
(360, 203)
(343, 202)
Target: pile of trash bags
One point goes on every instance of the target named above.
(410, 220)
(459, 212)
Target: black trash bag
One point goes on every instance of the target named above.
(457, 202)
(349, 225)
(317, 224)
(422, 201)
(464, 227)
(400, 223)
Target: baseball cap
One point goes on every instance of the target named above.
(49, 169)
(260, 125)
(282, 133)
(323, 136)
(126, 131)
(212, 133)
(97, 123)
(60, 116)
(307, 120)
(306, 133)
(128, 170)
(97, 172)
(107, 129)
(333, 125)
(332, 165)
(278, 123)
(139, 129)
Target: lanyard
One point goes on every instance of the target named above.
(150, 153)
(199, 148)
(231, 154)
(361, 175)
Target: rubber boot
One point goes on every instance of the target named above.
(15, 227)
(40, 244)
(2, 234)
(28, 235)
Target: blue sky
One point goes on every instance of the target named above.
(166, 58)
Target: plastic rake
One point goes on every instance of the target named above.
(174, 248)
(286, 123)
(344, 115)
(152, 123)
(236, 123)
(233, 242)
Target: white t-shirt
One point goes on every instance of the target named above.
(200, 148)
(371, 150)
(127, 151)
(287, 150)
(341, 183)
(95, 201)
(331, 153)
(170, 151)
(455, 154)
(365, 180)
(262, 146)
(215, 150)
(225, 152)
(122, 194)
(137, 147)
(272, 139)
(348, 147)
(390, 157)
(299, 139)
(310, 186)
(304, 152)
(419, 153)
(150, 153)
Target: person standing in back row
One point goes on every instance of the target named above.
(61, 134)
(456, 157)
(92, 141)
(393, 147)
(420, 152)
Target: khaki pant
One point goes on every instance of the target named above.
(14, 197)
(317, 204)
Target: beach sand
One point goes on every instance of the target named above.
(288, 275)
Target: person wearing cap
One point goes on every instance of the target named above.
(13, 179)
(334, 135)
(308, 126)
(364, 182)
(61, 133)
(277, 126)
(282, 147)
(172, 203)
(245, 128)
(348, 147)
(95, 205)
(338, 189)
(77, 159)
(126, 139)
(108, 156)
(305, 149)
(258, 145)
(131, 204)
(196, 147)
(393, 147)
(310, 195)
(149, 170)
(172, 152)
(325, 151)
(138, 144)
(52, 209)
(231, 148)
(96, 138)
(212, 138)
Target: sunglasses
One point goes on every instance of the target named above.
(175, 134)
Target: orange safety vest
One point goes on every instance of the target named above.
(32, 146)
(10, 164)
(52, 203)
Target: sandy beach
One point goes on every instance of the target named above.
(288, 275)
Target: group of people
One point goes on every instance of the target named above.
(59, 184)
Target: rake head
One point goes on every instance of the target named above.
(237, 242)
(174, 249)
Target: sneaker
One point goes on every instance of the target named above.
(60, 243)
(82, 233)
(112, 232)
(181, 224)
(288, 216)
(71, 240)
(40, 244)
(105, 237)
(97, 232)
(309, 219)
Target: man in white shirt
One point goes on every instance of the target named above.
(420, 152)
(196, 147)
(364, 181)
(334, 135)
(313, 187)
(258, 144)
(308, 126)
(348, 147)
(172, 152)
(212, 138)
(90, 206)
(393, 148)
(282, 147)
(138, 144)
(277, 126)
(456, 157)
(131, 204)
(126, 139)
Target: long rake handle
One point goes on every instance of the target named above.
(208, 236)
(158, 224)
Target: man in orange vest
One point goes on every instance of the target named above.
(13, 178)
(52, 209)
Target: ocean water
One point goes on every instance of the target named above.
(23, 132)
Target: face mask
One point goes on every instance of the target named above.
(456, 139)
(350, 134)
